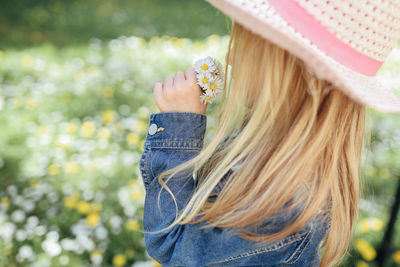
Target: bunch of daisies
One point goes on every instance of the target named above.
(210, 77)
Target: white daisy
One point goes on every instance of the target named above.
(203, 79)
(219, 70)
(215, 86)
(205, 64)
(205, 98)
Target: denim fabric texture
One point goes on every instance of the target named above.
(173, 138)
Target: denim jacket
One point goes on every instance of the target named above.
(173, 138)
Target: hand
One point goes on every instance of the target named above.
(180, 93)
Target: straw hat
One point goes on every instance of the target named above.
(342, 41)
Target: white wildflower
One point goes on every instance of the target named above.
(205, 64)
(210, 77)
(219, 70)
(18, 216)
(215, 87)
(205, 98)
(204, 79)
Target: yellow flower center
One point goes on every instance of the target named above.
(213, 86)
(204, 67)
(205, 80)
(208, 97)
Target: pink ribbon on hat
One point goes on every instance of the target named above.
(311, 29)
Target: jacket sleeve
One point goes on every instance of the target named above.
(172, 138)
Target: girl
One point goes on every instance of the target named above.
(280, 179)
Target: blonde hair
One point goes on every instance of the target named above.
(295, 139)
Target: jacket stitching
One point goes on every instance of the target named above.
(309, 241)
(287, 241)
(175, 147)
(151, 169)
(312, 230)
(179, 143)
(144, 168)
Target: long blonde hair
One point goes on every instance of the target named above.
(295, 138)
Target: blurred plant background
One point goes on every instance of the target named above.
(76, 92)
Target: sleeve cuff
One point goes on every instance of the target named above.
(176, 130)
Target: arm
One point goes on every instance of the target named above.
(181, 140)
(183, 245)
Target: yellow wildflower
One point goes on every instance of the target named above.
(132, 138)
(141, 126)
(137, 191)
(156, 263)
(119, 260)
(31, 103)
(93, 71)
(88, 129)
(375, 224)
(104, 133)
(108, 116)
(79, 75)
(27, 61)
(364, 225)
(34, 182)
(142, 41)
(141, 144)
(396, 256)
(143, 112)
(361, 264)
(72, 128)
(92, 219)
(63, 141)
(133, 182)
(95, 207)
(384, 173)
(137, 195)
(119, 126)
(213, 39)
(17, 101)
(96, 252)
(71, 167)
(53, 169)
(108, 91)
(365, 249)
(83, 207)
(5, 202)
(198, 46)
(70, 202)
(96, 256)
(93, 166)
(42, 129)
(132, 225)
(129, 253)
(371, 170)
(66, 97)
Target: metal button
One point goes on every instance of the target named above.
(153, 129)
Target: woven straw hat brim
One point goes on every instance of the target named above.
(361, 88)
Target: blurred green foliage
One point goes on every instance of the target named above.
(76, 91)
(62, 22)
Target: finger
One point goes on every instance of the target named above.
(179, 78)
(168, 84)
(191, 74)
(158, 91)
